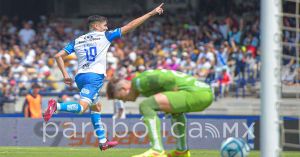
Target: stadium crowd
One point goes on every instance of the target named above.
(220, 50)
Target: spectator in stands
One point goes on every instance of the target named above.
(2, 98)
(251, 68)
(42, 68)
(119, 110)
(16, 69)
(49, 82)
(240, 62)
(250, 40)
(27, 34)
(187, 65)
(236, 33)
(161, 63)
(129, 75)
(112, 60)
(203, 68)
(17, 52)
(173, 65)
(4, 67)
(289, 76)
(32, 107)
(110, 71)
(13, 91)
(30, 57)
(141, 69)
(23, 81)
(224, 83)
(211, 76)
(297, 81)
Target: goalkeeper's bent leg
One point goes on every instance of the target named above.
(148, 109)
(179, 126)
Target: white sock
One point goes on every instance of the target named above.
(102, 140)
(57, 106)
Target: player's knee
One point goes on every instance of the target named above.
(148, 106)
(144, 107)
(84, 105)
(84, 108)
(96, 107)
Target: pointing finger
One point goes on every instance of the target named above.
(161, 5)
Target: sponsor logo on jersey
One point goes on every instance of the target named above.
(90, 44)
(91, 38)
(81, 42)
(88, 37)
(85, 91)
(86, 66)
(96, 38)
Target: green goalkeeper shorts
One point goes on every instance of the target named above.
(189, 101)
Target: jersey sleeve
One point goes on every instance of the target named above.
(113, 34)
(136, 83)
(70, 47)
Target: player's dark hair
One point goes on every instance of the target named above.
(95, 18)
(110, 88)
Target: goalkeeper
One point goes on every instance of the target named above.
(168, 91)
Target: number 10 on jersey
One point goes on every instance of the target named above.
(91, 54)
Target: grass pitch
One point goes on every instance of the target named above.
(94, 152)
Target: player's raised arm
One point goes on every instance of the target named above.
(135, 23)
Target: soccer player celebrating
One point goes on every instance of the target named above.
(91, 49)
(168, 91)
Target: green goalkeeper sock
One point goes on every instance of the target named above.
(148, 109)
(179, 126)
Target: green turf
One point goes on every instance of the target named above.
(94, 152)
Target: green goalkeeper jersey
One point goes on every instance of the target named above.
(156, 81)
